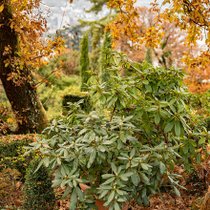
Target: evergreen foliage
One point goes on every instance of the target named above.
(84, 62)
(105, 59)
(38, 192)
(131, 145)
(96, 34)
(12, 152)
(83, 98)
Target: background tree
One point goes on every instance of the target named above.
(190, 16)
(84, 62)
(105, 59)
(97, 31)
(15, 75)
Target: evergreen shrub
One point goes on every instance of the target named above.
(38, 193)
(12, 152)
(128, 148)
(74, 98)
(84, 63)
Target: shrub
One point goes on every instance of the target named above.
(12, 152)
(73, 98)
(105, 58)
(129, 147)
(38, 193)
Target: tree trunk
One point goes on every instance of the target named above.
(28, 110)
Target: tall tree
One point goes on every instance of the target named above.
(84, 62)
(105, 59)
(190, 16)
(17, 80)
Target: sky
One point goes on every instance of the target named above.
(61, 13)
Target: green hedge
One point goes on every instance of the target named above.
(38, 193)
(73, 98)
(12, 152)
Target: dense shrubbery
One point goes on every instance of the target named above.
(128, 147)
(17, 166)
(12, 152)
(13, 165)
(38, 193)
(74, 98)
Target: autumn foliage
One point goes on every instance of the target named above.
(190, 18)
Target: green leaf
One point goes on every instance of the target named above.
(133, 152)
(116, 206)
(122, 199)
(177, 128)
(106, 176)
(73, 200)
(58, 161)
(39, 166)
(121, 192)
(66, 193)
(56, 182)
(162, 167)
(92, 158)
(144, 178)
(125, 176)
(145, 201)
(157, 119)
(145, 166)
(148, 88)
(135, 179)
(114, 168)
(108, 181)
(103, 194)
(80, 194)
(128, 174)
(201, 141)
(111, 197)
(168, 127)
(146, 82)
(102, 148)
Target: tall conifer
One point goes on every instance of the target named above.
(84, 62)
(105, 59)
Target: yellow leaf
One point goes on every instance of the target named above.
(10, 120)
(1, 7)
